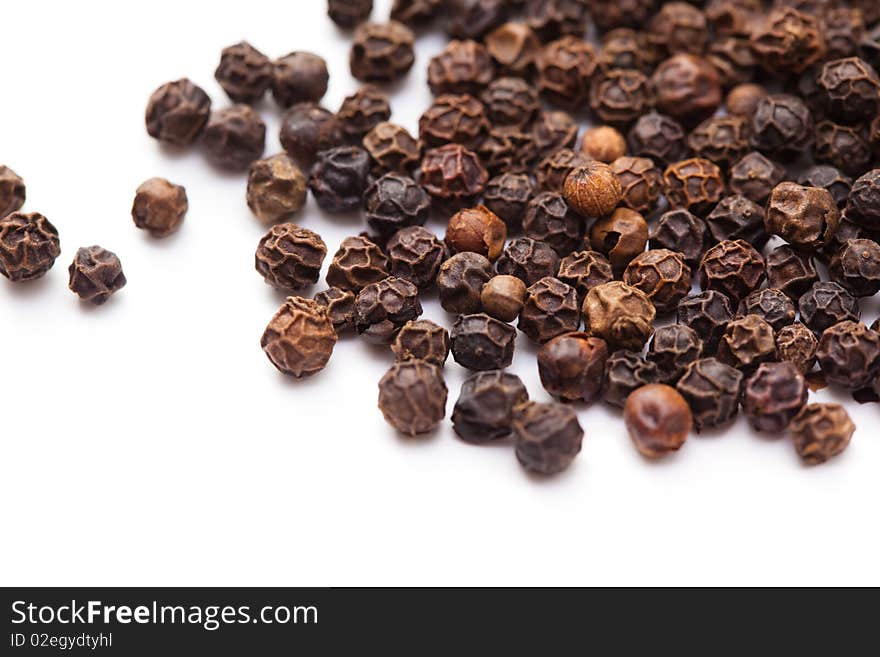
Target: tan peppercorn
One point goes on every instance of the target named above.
(159, 207)
(603, 143)
(661, 274)
(276, 189)
(300, 338)
(821, 431)
(592, 190)
(805, 217)
(621, 236)
(743, 99)
(641, 182)
(502, 297)
(658, 419)
(619, 314)
(695, 184)
(478, 230)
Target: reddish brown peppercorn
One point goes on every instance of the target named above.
(603, 143)
(679, 27)
(620, 96)
(12, 191)
(502, 297)
(641, 182)
(662, 275)
(299, 77)
(687, 88)
(382, 52)
(382, 308)
(747, 342)
(412, 397)
(363, 111)
(422, 340)
(392, 148)
(463, 67)
(849, 355)
(803, 216)
(553, 130)
(244, 73)
(721, 139)
(340, 307)
(743, 99)
(658, 420)
(289, 257)
(572, 366)
(471, 19)
(548, 437)
(565, 68)
(796, 344)
(300, 338)
(732, 267)
(619, 314)
(773, 395)
(624, 48)
(734, 60)
(621, 236)
(788, 41)
(478, 230)
(178, 112)
(453, 174)
(357, 263)
(416, 255)
(159, 207)
(454, 119)
(348, 13)
(592, 190)
(821, 431)
(695, 184)
(553, 18)
(96, 274)
(585, 270)
(514, 47)
(276, 189)
(510, 101)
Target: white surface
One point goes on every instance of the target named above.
(150, 441)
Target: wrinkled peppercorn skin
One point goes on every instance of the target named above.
(788, 41)
(747, 342)
(177, 112)
(790, 271)
(584, 270)
(663, 275)
(382, 52)
(422, 340)
(850, 89)
(672, 349)
(392, 149)
(12, 191)
(244, 73)
(29, 245)
(548, 437)
(658, 420)
(276, 189)
(863, 205)
(849, 355)
(732, 267)
(797, 345)
(289, 257)
(508, 196)
(453, 175)
(773, 396)
(827, 177)
(754, 176)
(565, 69)
(825, 304)
(96, 274)
(572, 366)
(339, 178)
(658, 137)
(626, 371)
(460, 282)
(510, 101)
(412, 397)
(362, 111)
(550, 308)
(340, 307)
(550, 220)
(712, 390)
(357, 263)
(485, 408)
(382, 308)
(234, 137)
(394, 202)
(821, 431)
(682, 231)
(771, 305)
(463, 67)
(528, 260)
(619, 314)
(416, 255)
(307, 129)
(708, 313)
(482, 343)
(687, 88)
(782, 126)
(554, 169)
(348, 13)
(454, 119)
(299, 339)
(856, 267)
(695, 184)
(641, 182)
(619, 97)
(159, 207)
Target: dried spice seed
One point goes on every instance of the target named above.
(463, 67)
(340, 307)
(626, 371)
(514, 47)
(507, 148)
(177, 112)
(849, 355)
(797, 345)
(553, 170)
(416, 255)
(348, 13)
(619, 314)
(510, 101)
(754, 176)
(863, 206)
(276, 189)
(550, 308)
(773, 396)
(682, 231)
(502, 297)
(12, 191)
(687, 88)
(620, 96)
(453, 175)
(850, 89)
(659, 137)
(382, 52)
(624, 48)
(339, 178)
(672, 349)
(695, 184)
(484, 410)
(289, 257)
(362, 111)
(422, 340)
(827, 177)
(299, 77)
(478, 230)
(641, 182)
(454, 119)
(788, 41)
(159, 207)
(803, 216)
(307, 129)
(244, 73)
(565, 69)
(738, 218)
(733, 267)
(528, 260)
(747, 342)
(382, 308)
(554, 18)
(856, 266)
(460, 282)
(508, 196)
(96, 274)
(357, 264)
(234, 137)
(743, 99)
(663, 275)
(572, 366)
(471, 19)
(553, 130)
(771, 305)
(790, 271)
(734, 60)
(412, 397)
(679, 27)
(708, 313)
(550, 220)
(844, 31)
(721, 139)
(603, 143)
(299, 339)
(782, 126)
(392, 148)
(658, 420)
(592, 190)
(394, 202)
(621, 236)
(712, 390)
(548, 437)
(821, 431)
(844, 147)
(825, 304)
(585, 270)
(482, 343)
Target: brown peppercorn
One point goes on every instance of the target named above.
(769, 304)
(733, 267)
(29, 245)
(619, 314)
(12, 191)
(299, 339)
(620, 96)
(796, 344)
(508, 196)
(514, 47)
(289, 257)
(382, 52)
(658, 420)
(585, 270)
(712, 390)
(856, 267)
(621, 236)
(844, 31)
(392, 148)
(788, 41)
(394, 202)
(307, 129)
(592, 190)
(754, 176)
(340, 307)
(507, 148)
(244, 73)
(463, 67)
(339, 178)
(484, 410)
(743, 99)
(849, 355)
(412, 397)
(472, 19)
(348, 13)
(738, 218)
(299, 77)
(96, 274)
(734, 60)
(234, 137)
(159, 207)
(782, 126)
(747, 342)
(453, 175)
(773, 396)
(382, 308)
(460, 282)
(708, 313)
(362, 111)
(480, 342)
(416, 255)
(659, 137)
(551, 19)
(548, 437)
(626, 371)
(478, 230)
(603, 143)
(803, 216)
(624, 48)
(549, 219)
(553, 170)
(565, 68)
(454, 119)
(844, 147)
(672, 349)
(550, 308)
(422, 340)
(572, 366)
(695, 184)
(357, 263)
(663, 275)
(721, 139)
(276, 189)
(850, 89)
(825, 304)
(553, 130)
(510, 101)
(863, 206)
(687, 88)
(682, 231)
(827, 177)
(528, 260)
(502, 297)
(821, 431)
(790, 271)
(641, 182)
(178, 112)
(679, 27)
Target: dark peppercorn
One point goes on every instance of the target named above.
(747, 342)
(663, 275)
(339, 178)
(553, 170)
(463, 67)
(619, 314)
(357, 263)
(416, 254)
(381, 309)
(620, 96)
(484, 410)
(553, 130)
(550, 308)
(554, 18)
(603, 143)
(734, 60)
(790, 271)
(672, 349)
(592, 190)
(850, 89)
(687, 88)
(234, 137)
(712, 390)
(743, 99)
(828, 178)
(773, 395)
(621, 236)
(550, 220)
(478, 230)
(471, 19)
(289, 257)
(821, 431)
(96, 274)
(528, 260)
(641, 182)
(803, 216)
(735, 218)
(460, 282)
(849, 354)
(177, 112)
(754, 176)
(788, 41)
(454, 119)
(623, 48)
(307, 129)
(863, 206)
(340, 307)
(708, 313)
(422, 340)
(159, 207)
(244, 73)
(771, 305)
(299, 339)
(548, 437)
(453, 175)
(721, 139)
(12, 191)
(395, 201)
(856, 266)
(502, 297)
(782, 126)
(626, 371)
(412, 397)
(733, 267)
(844, 31)
(382, 52)
(508, 196)
(658, 420)
(565, 69)
(825, 304)
(796, 344)
(659, 137)
(510, 101)
(392, 148)
(585, 270)
(694, 184)
(679, 27)
(572, 366)
(514, 47)
(842, 146)
(348, 13)
(507, 148)
(276, 189)
(682, 231)
(362, 111)
(480, 342)
(299, 77)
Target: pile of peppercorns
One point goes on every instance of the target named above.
(733, 146)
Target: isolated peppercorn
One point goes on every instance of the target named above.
(621, 236)
(771, 305)
(299, 339)
(550, 308)
(454, 119)
(382, 52)
(738, 218)
(510, 101)
(553, 170)
(796, 344)
(788, 41)
(299, 77)
(307, 129)
(863, 206)
(12, 191)
(553, 18)
(754, 176)
(416, 254)
(712, 390)
(340, 307)
(803, 216)
(382, 308)
(553, 130)
(177, 112)
(234, 137)
(849, 354)
(850, 89)
(357, 263)
(743, 99)
(603, 143)
(395, 201)
(619, 314)
(514, 47)
(478, 230)
(528, 260)
(471, 19)
(565, 69)
(463, 67)
(708, 313)
(782, 126)
(672, 349)
(821, 431)
(339, 178)
(550, 220)
(453, 175)
(392, 148)
(641, 182)
(659, 137)
(620, 96)
(289, 257)
(592, 190)
(663, 275)
(658, 420)
(626, 371)
(276, 189)
(244, 73)
(773, 396)
(733, 267)
(412, 397)
(508, 196)
(548, 437)
(856, 266)
(790, 271)
(721, 139)
(460, 282)
(348, 13)
(687, 88)
(480, 342)
(827, 177)
(362, 111)
(679, 27)
(572, 366)
(585, 270)
(682, 231)
(96, 274)
(502, 297)
(825, 304)
(159, 207)
(695, 184)
(422, 340)
(844, 147)
(484, 410)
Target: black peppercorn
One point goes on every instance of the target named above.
(734, 60)
(803, 216)
(826, 304)
(738, 218)
(244, 73)
(733, 267)
(754, 176)
(453, 175)
(641, 183)
(553, 170)
(299, 77)
(619, 314)
(528, 260)
(363, 111)
(863, 206)
(827, 177)
(480, 342)
(381, 309)
(712, 390)
(790, 271)
(276, 189)
(672, 349)
(679, 27)
(454, 119)
(687, 88)
(415, 13)
(659, 137)
(510, 101)
(548, 437)
(412, 397)
(585, 270)
(842, 146)
(849, 355)
(307, 129)
(747, 342)
(416, 255)
(788, 41)
(178, 112)
(507, 148)
(624, 48)
(796, 344)
(340, 307)
(508, 196)
(289, 257)
(773, 395)
(682, 231)
(392, 148)
(382, 52)
(422, 340)
(708, 313)
(159, 207)
(553, 130)
(663, 275)
(514, 47)
(395, 201)
(850, 89)
(565, 68)
(620, 96)
(621, 236)
(856, 266)
(626, 371)
(96, 274)
(771, 305)
(460, 282)
(348, 13)
(572, 366)
(550, 308)
(471, 19)
(695, 184)
(339, 178)
(357, 263)
(721, 139)
(550, 220)
(484, 410)
(821, 431)
(234, 137)
(553, 18)
(463, 67)
(782, 126)
(12, 191)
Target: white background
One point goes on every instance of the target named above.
(150, 442)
